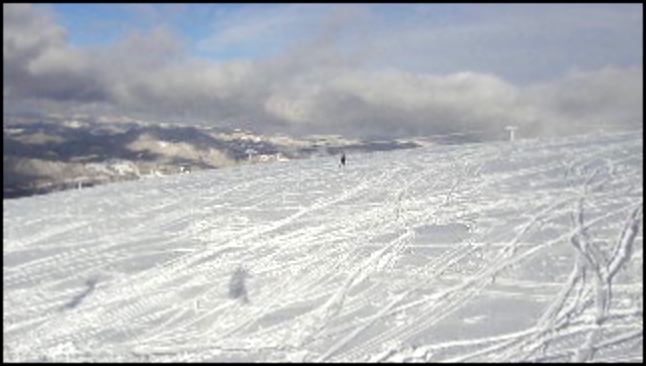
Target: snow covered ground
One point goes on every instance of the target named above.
(511, 251)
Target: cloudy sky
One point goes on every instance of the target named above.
(362, 70)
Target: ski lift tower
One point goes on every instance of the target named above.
(511, 130)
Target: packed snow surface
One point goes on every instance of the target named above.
(529, 250)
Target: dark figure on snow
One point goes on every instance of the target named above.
(342, 159)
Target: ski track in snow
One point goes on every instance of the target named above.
(523, 251)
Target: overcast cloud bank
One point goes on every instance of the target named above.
(316, 86)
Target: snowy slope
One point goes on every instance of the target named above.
(531, 250)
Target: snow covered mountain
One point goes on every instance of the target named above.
(56, 153)
(514, 251)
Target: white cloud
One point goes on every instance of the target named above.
(611, 97)
(315, 86)
(523, 43)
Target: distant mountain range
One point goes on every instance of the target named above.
(42, 155)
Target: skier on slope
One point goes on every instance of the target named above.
(342, 159)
